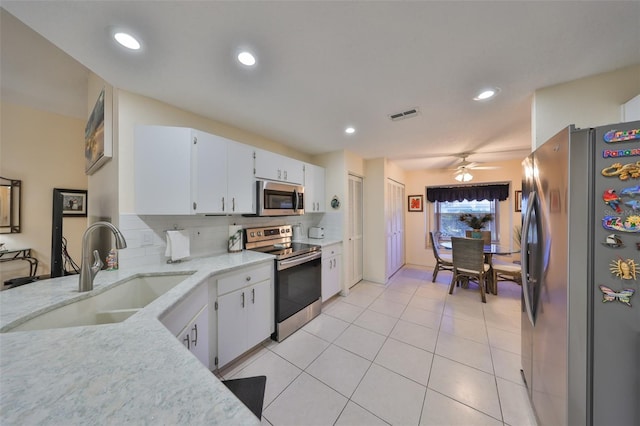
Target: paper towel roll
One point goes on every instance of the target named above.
(177, 245)
(235, 238)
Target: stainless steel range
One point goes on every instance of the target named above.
(298, 277)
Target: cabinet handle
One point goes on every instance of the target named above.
(243, 299)
(233, 204)
(186, 342)
(222, 203)
(285, 175)
(253, 296)
(279, 174)
(195, 331)
(248, 278)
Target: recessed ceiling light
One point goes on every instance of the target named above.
(486, 94)
(246, 58)
(349, 130)
(127, 40)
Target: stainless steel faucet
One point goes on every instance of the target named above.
(87, 271)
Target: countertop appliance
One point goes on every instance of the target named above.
(279, 199)
(316, 232)
(581, 319)
(298, 285)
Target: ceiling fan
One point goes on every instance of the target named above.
(463, 168)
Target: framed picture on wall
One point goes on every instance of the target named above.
(98, 147)
(517, 201)
(415, 203)
(74, 202)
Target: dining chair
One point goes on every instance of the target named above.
(486, 236)
(444, 262)
(468, 263)
(503, 271)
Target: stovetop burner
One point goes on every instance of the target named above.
(276, 240)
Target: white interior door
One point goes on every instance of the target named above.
(394, 210)
(354, 231)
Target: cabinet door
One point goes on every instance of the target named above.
(210, 174)
(331, 271)
(259, 313)
(162, 170)
(272, 166)
(232, 326)
(195, 336)
(313, 188)
(241, 188)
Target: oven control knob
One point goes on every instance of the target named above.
(282, 231)
(259, 233)
(252, 234)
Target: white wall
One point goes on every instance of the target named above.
(587, 102)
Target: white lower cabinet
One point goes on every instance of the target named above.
(245, 311)
(331, 270)
(191, 323)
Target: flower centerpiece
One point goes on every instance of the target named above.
(476, 222)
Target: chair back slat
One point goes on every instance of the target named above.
(468, 253)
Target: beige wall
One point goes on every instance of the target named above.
(587, 102)
(417, 225)
(45, 151)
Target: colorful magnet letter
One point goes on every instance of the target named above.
(611, 199)
(621, 135)
(615, 223)
(613, 241)
(609, 295)
(623, 172)
(623, 268)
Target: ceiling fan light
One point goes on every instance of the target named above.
(464, 177)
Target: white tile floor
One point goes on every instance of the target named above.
(407, 353)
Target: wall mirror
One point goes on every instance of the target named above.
(10, 194)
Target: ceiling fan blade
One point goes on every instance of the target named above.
(485, 167)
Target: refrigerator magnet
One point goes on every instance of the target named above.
(612, 199)
(624, 296)
(621, 135)
(623, 268)
(623, 172)
(630, 191)
(613, 241)
(616, 223)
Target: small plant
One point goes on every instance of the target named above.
(475, 222)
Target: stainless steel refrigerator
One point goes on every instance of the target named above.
(581, 292)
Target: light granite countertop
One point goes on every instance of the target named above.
(322, 242)
(134, 372)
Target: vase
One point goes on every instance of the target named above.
(476, 233)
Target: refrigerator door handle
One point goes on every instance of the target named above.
(531, 201)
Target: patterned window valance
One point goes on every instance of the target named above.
(468, 192)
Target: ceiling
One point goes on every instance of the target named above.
(325, 65)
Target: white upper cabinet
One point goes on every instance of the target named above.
(272, 166)
(180, 171)
(313, 189)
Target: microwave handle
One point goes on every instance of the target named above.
(296, 200)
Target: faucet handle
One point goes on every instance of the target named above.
(97, 263)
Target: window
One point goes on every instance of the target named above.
(447, 215)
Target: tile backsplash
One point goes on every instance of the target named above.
(146, 238)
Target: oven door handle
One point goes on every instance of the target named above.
(290, 263)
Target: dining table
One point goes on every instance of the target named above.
(489, 251)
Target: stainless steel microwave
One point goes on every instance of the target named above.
(279, 199)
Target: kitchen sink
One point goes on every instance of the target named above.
(113, 305)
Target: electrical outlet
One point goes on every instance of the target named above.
(147, 238)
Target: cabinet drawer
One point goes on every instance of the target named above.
(332, 250)
(237, 280)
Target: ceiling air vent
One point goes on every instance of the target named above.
(404, 114)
